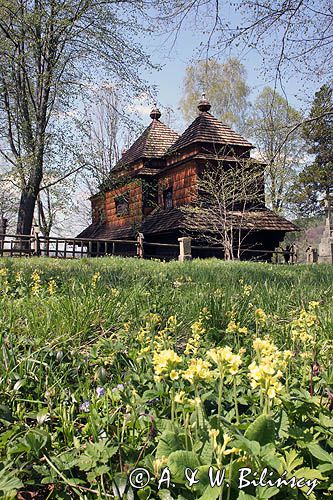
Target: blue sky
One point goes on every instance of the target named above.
(174, 61)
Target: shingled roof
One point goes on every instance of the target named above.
(207, 128)
(153, 143)
(104, 232)
(184, 219)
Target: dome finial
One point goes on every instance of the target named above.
(204, 105)
(155, 113)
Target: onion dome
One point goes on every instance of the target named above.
(155, 113)
(204, 104)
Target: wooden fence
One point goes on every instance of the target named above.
(13, 245)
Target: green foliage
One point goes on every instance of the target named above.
(82, 405)
(269, 123)
(225, 87)
(316, 180)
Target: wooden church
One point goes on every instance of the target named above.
(156, 179)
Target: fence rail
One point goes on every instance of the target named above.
(14, 245)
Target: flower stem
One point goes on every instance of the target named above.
(235, 400)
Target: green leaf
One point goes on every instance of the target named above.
(178, 461)
(261, 430)
(283, 425)
(169, 442)
(252, 447)
(165, 495)
(245, 496)
(36, 441)
(265, 493)
(307, 473)
(145, 493)
(318, 452)
(9, 482)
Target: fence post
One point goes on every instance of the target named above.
(139, 246)
(311, 255)
(185, 252)
(3, 229)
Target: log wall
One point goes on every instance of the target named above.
(183, 181)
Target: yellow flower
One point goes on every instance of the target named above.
(165, 362)
(247, 289)
(213, 433)
(95, 279)
(234, 327)
(174, 375)
(226, 360)
(158, 464)
(261, 316)
(198, 370)
(36, 283)
(52, 287)
(266, 377)
(180, 397)
(197, 328)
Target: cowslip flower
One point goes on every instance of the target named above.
(165, 362)
(261, 316)
(197, 371)
(226, 360)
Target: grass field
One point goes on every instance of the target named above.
(108, 365)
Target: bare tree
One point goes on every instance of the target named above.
(293, 35)
(54, 203)
(106, 128)
(270, 119)
(48, 50)
(226, 194)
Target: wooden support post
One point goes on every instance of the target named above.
(113, 248)
(185, 252)
(311, 255)
(139, 246)
(3, 229)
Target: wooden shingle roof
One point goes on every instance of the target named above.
(153, 143)
(207, 128)
(181, 218)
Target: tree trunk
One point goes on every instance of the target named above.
(26, 211)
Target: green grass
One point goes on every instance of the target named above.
(70, 327)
